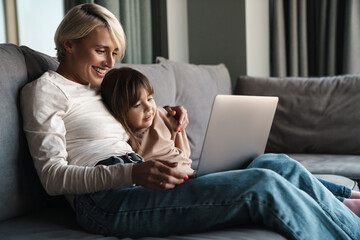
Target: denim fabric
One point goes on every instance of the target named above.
(340, 192)
(274, 190)
(124, 159)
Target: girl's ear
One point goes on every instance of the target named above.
(68, 45)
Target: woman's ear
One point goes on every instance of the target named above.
(68, 45)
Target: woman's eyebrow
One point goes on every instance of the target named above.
(103, 46)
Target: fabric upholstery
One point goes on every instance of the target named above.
(60, 223)
(37, 63)
(196, 88)
(344, 165)
(20, 190)
(340, 180)
(314, 115)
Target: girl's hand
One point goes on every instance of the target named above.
(179, 113)
(159, 175)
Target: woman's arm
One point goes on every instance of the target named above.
(43, 108)
(179, 113)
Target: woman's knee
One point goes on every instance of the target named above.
(237, 179)
(267, 181)
(270, 160)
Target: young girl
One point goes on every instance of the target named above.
(128, 94)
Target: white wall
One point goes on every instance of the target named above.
(11, 21)
(257, 38)
(177, 20)
(2, 23)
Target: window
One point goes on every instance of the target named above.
(37, 23)
(2, 23)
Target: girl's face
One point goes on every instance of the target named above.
(91, 57)
(141, 115)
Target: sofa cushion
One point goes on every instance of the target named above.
(339, 180)
(161, 77)
(21, 190)
(314, 115)
(37, 63)
(344, 165)
(61, 224)
(196, 88)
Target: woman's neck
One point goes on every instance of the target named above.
(63, 71)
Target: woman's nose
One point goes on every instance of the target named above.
(109, 61)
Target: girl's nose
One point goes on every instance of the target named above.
(148, 107)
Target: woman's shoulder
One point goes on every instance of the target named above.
(43, 90)
(54, 84)
(46, 81)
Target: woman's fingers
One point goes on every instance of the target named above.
(157, 175)
(179, 113)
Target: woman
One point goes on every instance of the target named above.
(69, 132)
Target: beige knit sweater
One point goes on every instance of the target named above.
(161, 142)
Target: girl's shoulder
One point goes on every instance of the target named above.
(162, 115)
(161, 111)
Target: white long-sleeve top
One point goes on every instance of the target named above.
(69, 130)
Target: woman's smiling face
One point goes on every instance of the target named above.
(92, 57)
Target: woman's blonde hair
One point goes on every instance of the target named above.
(120, 90)
(81, 20)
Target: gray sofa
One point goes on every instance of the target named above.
(27, 212)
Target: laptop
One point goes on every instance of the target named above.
(237, 132)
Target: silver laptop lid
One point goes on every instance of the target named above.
(237, 132)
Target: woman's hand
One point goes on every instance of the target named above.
(179, 113)
(159, 175)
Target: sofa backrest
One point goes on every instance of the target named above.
(314, 115)
(196, 88)
(20, 190)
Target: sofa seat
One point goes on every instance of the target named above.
(60, 223)
(344, 165)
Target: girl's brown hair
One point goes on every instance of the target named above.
(120, 90)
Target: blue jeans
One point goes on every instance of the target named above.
(274, 190)
(340, 192)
